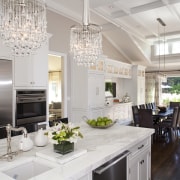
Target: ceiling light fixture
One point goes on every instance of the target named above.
(86, 41)
(23, 25)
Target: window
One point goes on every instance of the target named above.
(161, 49)
(169, 48)
(176, 47)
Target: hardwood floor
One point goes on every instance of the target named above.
(166, 158)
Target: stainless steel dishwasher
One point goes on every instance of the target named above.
(115, 169)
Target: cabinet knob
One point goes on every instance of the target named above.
(141, 162)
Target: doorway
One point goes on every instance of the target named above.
(57, 91)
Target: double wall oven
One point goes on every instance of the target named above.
(30, 108)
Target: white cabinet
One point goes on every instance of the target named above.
(5, 52)
(96, 90)
(139, 161)
(86, 177)
(31, 71)
(135, 87)
(117, 69)
(87, 91)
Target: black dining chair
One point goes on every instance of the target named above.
(58, 120)
(135, 115)
(178, 121)
(142, 106)
(170, 124)
(146, 120)
(174, 104)
(153, 105)
(148, 106)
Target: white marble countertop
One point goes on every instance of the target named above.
(101, 146)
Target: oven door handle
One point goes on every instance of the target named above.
(30, 100)
(101, 169)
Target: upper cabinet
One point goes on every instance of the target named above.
(136, 86)
(99, 67)
(32, 71)
(5, 52)
(117, 69)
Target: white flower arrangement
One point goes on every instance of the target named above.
(63, 132)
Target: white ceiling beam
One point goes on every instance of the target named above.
(171, 8)
(58, 8)
(99, 3)
(146, 7)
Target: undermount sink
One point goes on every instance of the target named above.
(27, 170)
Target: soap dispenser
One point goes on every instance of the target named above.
(25, 143)
(40, 139)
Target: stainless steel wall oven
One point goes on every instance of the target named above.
(30, 107)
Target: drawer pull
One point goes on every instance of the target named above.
(140, 147)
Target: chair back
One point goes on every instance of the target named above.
(142, 106)
(146, 118)
(135, 114)
(174, 104)
(148, 106)
(178, 118)
(175, 117)
(58, 120)
(153, 105)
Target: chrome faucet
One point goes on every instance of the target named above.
(9, 155)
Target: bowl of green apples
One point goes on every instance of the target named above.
(100, 122)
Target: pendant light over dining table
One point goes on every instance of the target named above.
(23, 25)
(86, 41)
(163, 49)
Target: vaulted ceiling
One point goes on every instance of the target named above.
(130, 26)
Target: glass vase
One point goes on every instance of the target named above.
(64, 147)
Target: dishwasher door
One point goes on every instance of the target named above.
(115, 169)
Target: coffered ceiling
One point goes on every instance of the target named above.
(130, 25)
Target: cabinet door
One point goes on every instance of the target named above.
(96, 89)
(40, 67)
(140, 166)
(133, 171)
(32, 71)
(22, 72)
(145, 165)
(141, 90)
(5, 52)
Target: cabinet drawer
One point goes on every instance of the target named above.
(135, 150)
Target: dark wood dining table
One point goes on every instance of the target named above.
(159, 114)
(168, 112)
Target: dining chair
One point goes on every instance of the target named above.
(142, 106)
(58, 120)
(146, 120)
(174, 104)
(135, 115)
(148, 106)
(178, 121)
(153, 105)
(170, 124)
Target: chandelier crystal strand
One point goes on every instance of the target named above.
(23, 25)
(86, 41)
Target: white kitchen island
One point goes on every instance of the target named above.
(101, 145)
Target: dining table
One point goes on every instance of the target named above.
(162, 114)
(159, 116)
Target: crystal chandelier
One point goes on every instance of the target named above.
(86, 41)
(23, 25)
